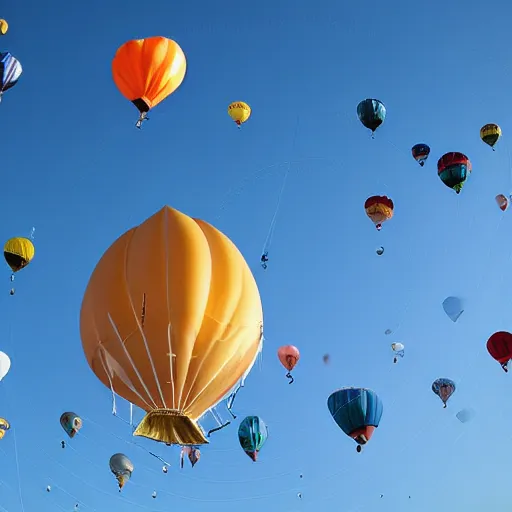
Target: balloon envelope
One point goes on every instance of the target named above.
(465, 415)
(5, 365)
(453, 307)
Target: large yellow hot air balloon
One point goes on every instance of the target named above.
(4, 27)
(4, 427)
(239, 111)
(18, 253)
(171, 319)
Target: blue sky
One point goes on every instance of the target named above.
(75, 167)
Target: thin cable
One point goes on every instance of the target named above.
(18, 470)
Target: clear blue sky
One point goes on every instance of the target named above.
(75, 167)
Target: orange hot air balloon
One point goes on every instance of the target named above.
(146, 71)
(379, 209)
(289, 357)
(502, 202)
(171, 319)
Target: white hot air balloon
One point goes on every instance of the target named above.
(5, 365)
(398, 349)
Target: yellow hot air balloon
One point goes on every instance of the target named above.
(171, 320)
(4, 427)
(239, 111)
(18, 253)
(4, 27)
(490, 134)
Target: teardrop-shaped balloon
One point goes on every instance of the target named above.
(465, 415)
(502, 202)
(453, 307)
(122, 468)
(420, 153)
(444, 389)
(5, 365)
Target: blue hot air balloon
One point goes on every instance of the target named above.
(453, 307)
(371, 113)
(420, 153)
(10, 72)
(252, 434)
(357, 411)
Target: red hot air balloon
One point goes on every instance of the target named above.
(379, 209)
(289, 357)
(499, 346)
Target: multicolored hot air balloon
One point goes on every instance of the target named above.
(4, 27)
(357, 411)
(502, 201)
(122, 468)
(4, 427)
(193, 453)
(252, 434)
(146, 71)
(499, 346)
(490, 134)
(453, 307)
(288, 356)
(10, 72)
(420, 153)
(453, 170)
(399, 351)
(371, 113)
(240, 112)
(444, 389)
(71, 423)
(212, 320)
(379, 209)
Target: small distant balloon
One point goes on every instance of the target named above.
(444, 389)
(420, 153)
(453, 307)
(326, 358)
(502, 202)
(154, 494)
(465, 415)
(48, 488)
(399, 351)
(380, 251)
(164, 469)
(299, 495)
(387, 332)
(4, 27)
(490, 134)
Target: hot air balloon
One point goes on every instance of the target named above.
(4, 427)
(71, 423)
(420, 153)
(172, 331)
(453, 307)
(18, 253)
(357, 411)
(4, 27)
(379, 209)
(371, 113)
(490, 134)
(10, 72)
(502, 202)
(122, 468)
(288, 356)
(252, 434)
(379, 251)
(465, 415)
(193, 453)
(399, 351)
(454, 169)
(240, 112)
(146, 71)
(326, 358)
(499, 345)
(444, 389)
(5, 365)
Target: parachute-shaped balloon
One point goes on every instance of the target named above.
(499, 345)
(4, 27)
(18, 253)
(444, 389)
(212, 319)
(453, 307)
(465, 415)
(10, 72)
(146, 71)
(357, 411)
(490, 134)
(454, 169)
(252, 434)
(5, 365)
(288, 356)
(4, 427)
(240, 112)
(122, 467)
(420, 153)
(71, 423)
(371, 113)
(379, 209)
(399, 351)
(502, 202)
(192, 452)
